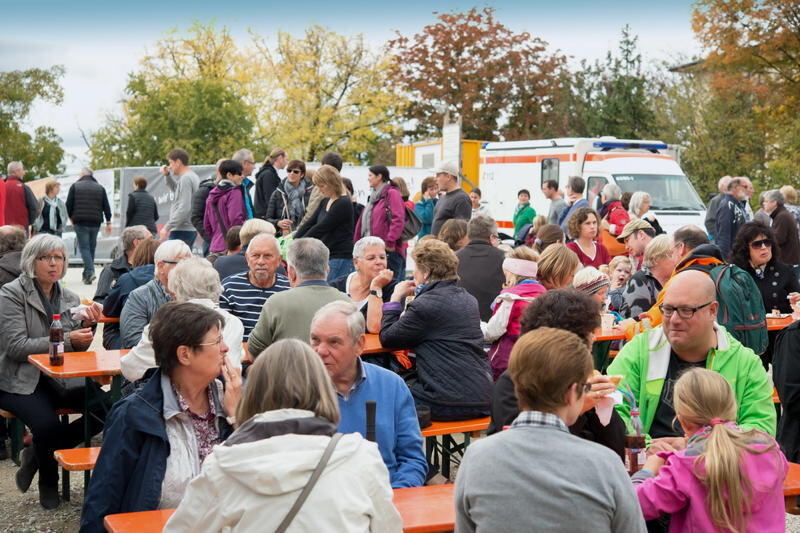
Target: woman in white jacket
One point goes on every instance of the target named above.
(193, 281)
(288, 415)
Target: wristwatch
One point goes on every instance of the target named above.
(374, 293)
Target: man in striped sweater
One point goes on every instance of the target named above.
(244, 294)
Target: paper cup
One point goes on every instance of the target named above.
(607, 322)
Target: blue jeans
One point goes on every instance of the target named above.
(186, 236)
(87, 243)
(397, 264)
(339, 268)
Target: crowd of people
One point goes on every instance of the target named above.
(247, 372)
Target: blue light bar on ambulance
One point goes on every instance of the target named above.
(607, 145)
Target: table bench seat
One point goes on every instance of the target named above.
(16, 429)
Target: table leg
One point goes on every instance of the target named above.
(87, 437)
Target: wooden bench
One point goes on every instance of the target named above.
(75, 460)
(791, 489)
(448, 450)
(16, 429)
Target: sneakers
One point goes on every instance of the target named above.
(27, 469)
(89, 280)
(48, 497)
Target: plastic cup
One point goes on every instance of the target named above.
(607, 322)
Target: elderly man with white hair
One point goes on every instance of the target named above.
(337, 335)
(194, 281)
(244, 294)
(288, 315)
(143, 302)
(87, 202)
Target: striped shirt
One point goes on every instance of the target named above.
(244, 300)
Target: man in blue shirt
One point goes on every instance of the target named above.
(337, 335)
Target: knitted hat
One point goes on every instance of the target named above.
(589, 280)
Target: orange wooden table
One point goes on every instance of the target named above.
(791, 488)
(422, 509)
(464, 426)
(776, 324)
(426, 509)
(613, 335)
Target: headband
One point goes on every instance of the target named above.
(521, 267)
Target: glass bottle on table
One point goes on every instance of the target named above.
(56, 342)
(635, 450)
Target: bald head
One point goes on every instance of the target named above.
(691, 283)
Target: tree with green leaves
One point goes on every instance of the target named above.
(40, 151)
(191, 94)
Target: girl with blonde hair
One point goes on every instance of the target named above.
(557, 266)
(503, 329)
(727, 478)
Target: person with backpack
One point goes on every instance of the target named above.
(689, 337)
(225, 205)
(385, 217)
(728, 478)
(199, 199)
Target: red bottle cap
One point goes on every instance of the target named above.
(56, 317)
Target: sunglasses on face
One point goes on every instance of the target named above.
(762, 243)
(295, 171)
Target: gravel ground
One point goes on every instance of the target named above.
(22, 512)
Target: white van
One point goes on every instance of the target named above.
(634, 165)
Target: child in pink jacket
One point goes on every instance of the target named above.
(726, 479)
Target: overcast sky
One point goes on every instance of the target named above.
(100, 42)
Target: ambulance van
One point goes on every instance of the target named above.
(634, 165)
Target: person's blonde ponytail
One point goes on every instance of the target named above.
(703, 397)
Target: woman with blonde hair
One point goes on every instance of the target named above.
(442, 327)
(503, 328)
(639, 209)
(286, 452)
(52, 213)
(557, 266)
(727, 478)
(332, 222)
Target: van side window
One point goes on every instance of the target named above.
(549, 170)
(594, 185)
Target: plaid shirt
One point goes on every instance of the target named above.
(539, 419)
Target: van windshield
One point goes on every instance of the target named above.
(666, 191)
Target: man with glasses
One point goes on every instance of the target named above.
(689, 336)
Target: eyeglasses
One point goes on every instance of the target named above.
(250, 162)
(763, 243)
(295, 171)
(684, 312)
(215, 343)
(51, 258)
(170, 262)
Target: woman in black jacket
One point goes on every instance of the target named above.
(754, 251)
(142, 209)
(441, 326)
(579, 313)
(332, 222)
(288, 203)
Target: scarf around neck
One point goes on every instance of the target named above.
(294, 200)
(366, 218)
(54, 217)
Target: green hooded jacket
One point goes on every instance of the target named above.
(523, 214)
(644, 362)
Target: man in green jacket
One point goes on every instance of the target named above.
(524, 213)
(689, 337)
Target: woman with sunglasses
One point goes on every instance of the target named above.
(156, 439)
(754, 250)
(288, 203)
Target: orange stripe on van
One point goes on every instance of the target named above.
(525, 158)
(505, 224)
(603, 157)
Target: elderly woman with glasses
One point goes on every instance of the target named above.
(27, 307)
(195, 281)
(288, 416)
(754, 250)
(157, 438)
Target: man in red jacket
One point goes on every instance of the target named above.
(20, 204)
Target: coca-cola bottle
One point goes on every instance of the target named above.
(56, 342)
